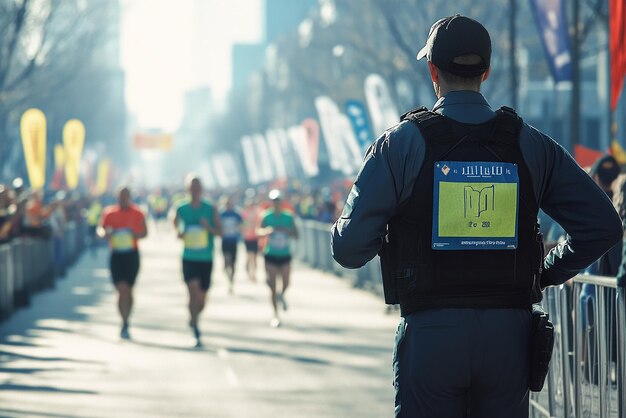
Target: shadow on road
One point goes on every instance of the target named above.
(25, 388)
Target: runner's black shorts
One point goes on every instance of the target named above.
(252, 245)
(124, 267)
(230, 247)
(198, 270)
(277, 261)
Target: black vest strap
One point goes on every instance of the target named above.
(432, 125)
(508, 125)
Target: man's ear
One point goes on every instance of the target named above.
(434, 72)
(486, 74)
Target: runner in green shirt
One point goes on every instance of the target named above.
(197, 222)
(279, 227)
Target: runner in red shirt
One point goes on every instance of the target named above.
(123, 225)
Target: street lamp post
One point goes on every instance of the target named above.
(513, 51)
(575, 105)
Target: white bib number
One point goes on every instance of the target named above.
(196, 238)
(230, 227)
(279, 240)
(122, 240)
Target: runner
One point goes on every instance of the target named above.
(231, 234)
(197, 222)
(122, 225)
(250, 216)
(159, 205)
(279, 227)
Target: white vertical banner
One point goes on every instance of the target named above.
(231, 169)
(350, 142)
(207, 176)
(273, 144)
(288, 152)
(298, 137)
(218, 162)
(342, 145)
(262, 155)
(250, 160)
(383, 110)
(218, 171)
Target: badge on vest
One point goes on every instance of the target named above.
(475, 206)
(122, 240)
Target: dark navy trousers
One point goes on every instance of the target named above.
(462, 363)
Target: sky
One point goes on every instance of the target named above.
(169, 47)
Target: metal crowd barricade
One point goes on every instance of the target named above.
(20, 295)
(313, 248)
(588, 369)
(6, 280)
(587, 377)
(27, 265)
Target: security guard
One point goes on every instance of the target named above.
(449, 198)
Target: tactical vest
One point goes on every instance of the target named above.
(420, 277)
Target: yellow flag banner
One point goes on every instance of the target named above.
(73, 141)
(59, 157)
(33, 130)
(618, 152)
(102, 183)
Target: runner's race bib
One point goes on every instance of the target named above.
(122, 240)
(230, 227)
(196, 238)
(279, 240)
(475, 206)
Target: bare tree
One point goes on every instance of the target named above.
(44, 45)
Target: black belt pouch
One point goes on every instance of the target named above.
(542, 343)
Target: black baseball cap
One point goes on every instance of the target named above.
(452, 37)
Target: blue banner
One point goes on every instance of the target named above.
(553, 30)
(358, 118)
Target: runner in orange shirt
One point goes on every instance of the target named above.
(123, 225)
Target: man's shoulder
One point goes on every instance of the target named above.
(402, 132)
(183, 204)
(268, 214)
(206, 205)
(110, 210)
(535, 140)
(136, 210)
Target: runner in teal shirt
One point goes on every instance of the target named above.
(278, 226)
(197, 223)
(199, 242)
(279, 240)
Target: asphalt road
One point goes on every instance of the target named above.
(62, 356)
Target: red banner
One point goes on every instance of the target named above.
(585, 157)
(143, 141)
(617, 47)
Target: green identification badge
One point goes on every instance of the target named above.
(475, 206)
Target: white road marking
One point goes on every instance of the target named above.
(231, 376)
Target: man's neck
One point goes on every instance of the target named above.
(445, 90)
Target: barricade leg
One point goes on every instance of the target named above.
(621, 351)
